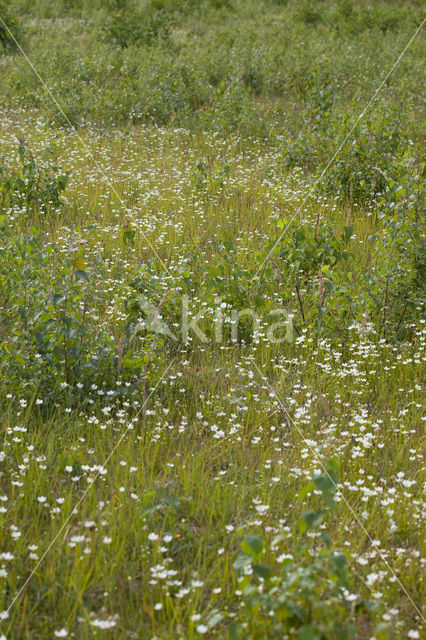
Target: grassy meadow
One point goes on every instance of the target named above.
(212, 323)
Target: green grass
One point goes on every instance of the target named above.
(204, 145)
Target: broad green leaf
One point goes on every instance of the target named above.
(253, 545)
(242, 560)
(82, 275)
(312, 518)
(339, 559)
(306, 490)
(214, 620)
(308, 632)
(58, 298)
(235, 631)
(262, 570)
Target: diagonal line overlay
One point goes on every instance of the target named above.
(338, 150)
(4, 614)
(90, 154)
(318, 460)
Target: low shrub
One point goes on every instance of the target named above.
(304, 590)
(131, 26)
(34, 186)
(9, 23)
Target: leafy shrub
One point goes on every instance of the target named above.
(304, 591)
(51, 343)
(357, 175)
(12, 24)
(129, 26)
(232, 110)
(300, 151)
(307, 257)
(306, 250)
(35, 185)
(47, 336)
(309, 13)
(397, 284)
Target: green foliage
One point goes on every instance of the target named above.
(210, 177)
(51, 344)
(131, 26)
(306, 250)
(231, 110)
(9, 23)
(206, 63)
(397, 284)
(358, 173)
(305, 593)
(35, 186)
(48, 336)
(173, 468)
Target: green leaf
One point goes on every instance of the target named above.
(297, 610)
(326, 538)
(308, 632)
(58, 298)
(235, 631)
(327, 482)
(214, 620)
(82, 275)
(312, 518)
(262, 570)
(305, 491)
(348, 233)
(253, 545)
(242, 561)
(324, 483)
(339, 559)
(79, 264)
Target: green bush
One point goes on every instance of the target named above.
(130, 26)
(34, 186)
(358, 173)
(397, 284)
(9, 23)
(302, 591)
(50, 341)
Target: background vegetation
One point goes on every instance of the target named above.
(242, 489)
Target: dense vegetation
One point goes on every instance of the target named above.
(256, 473)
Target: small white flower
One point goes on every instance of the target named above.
(413, 633)
(261, 508)
(371, 578)
(201, 628)
(197, 583)
(60, 633)
(103, 624)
